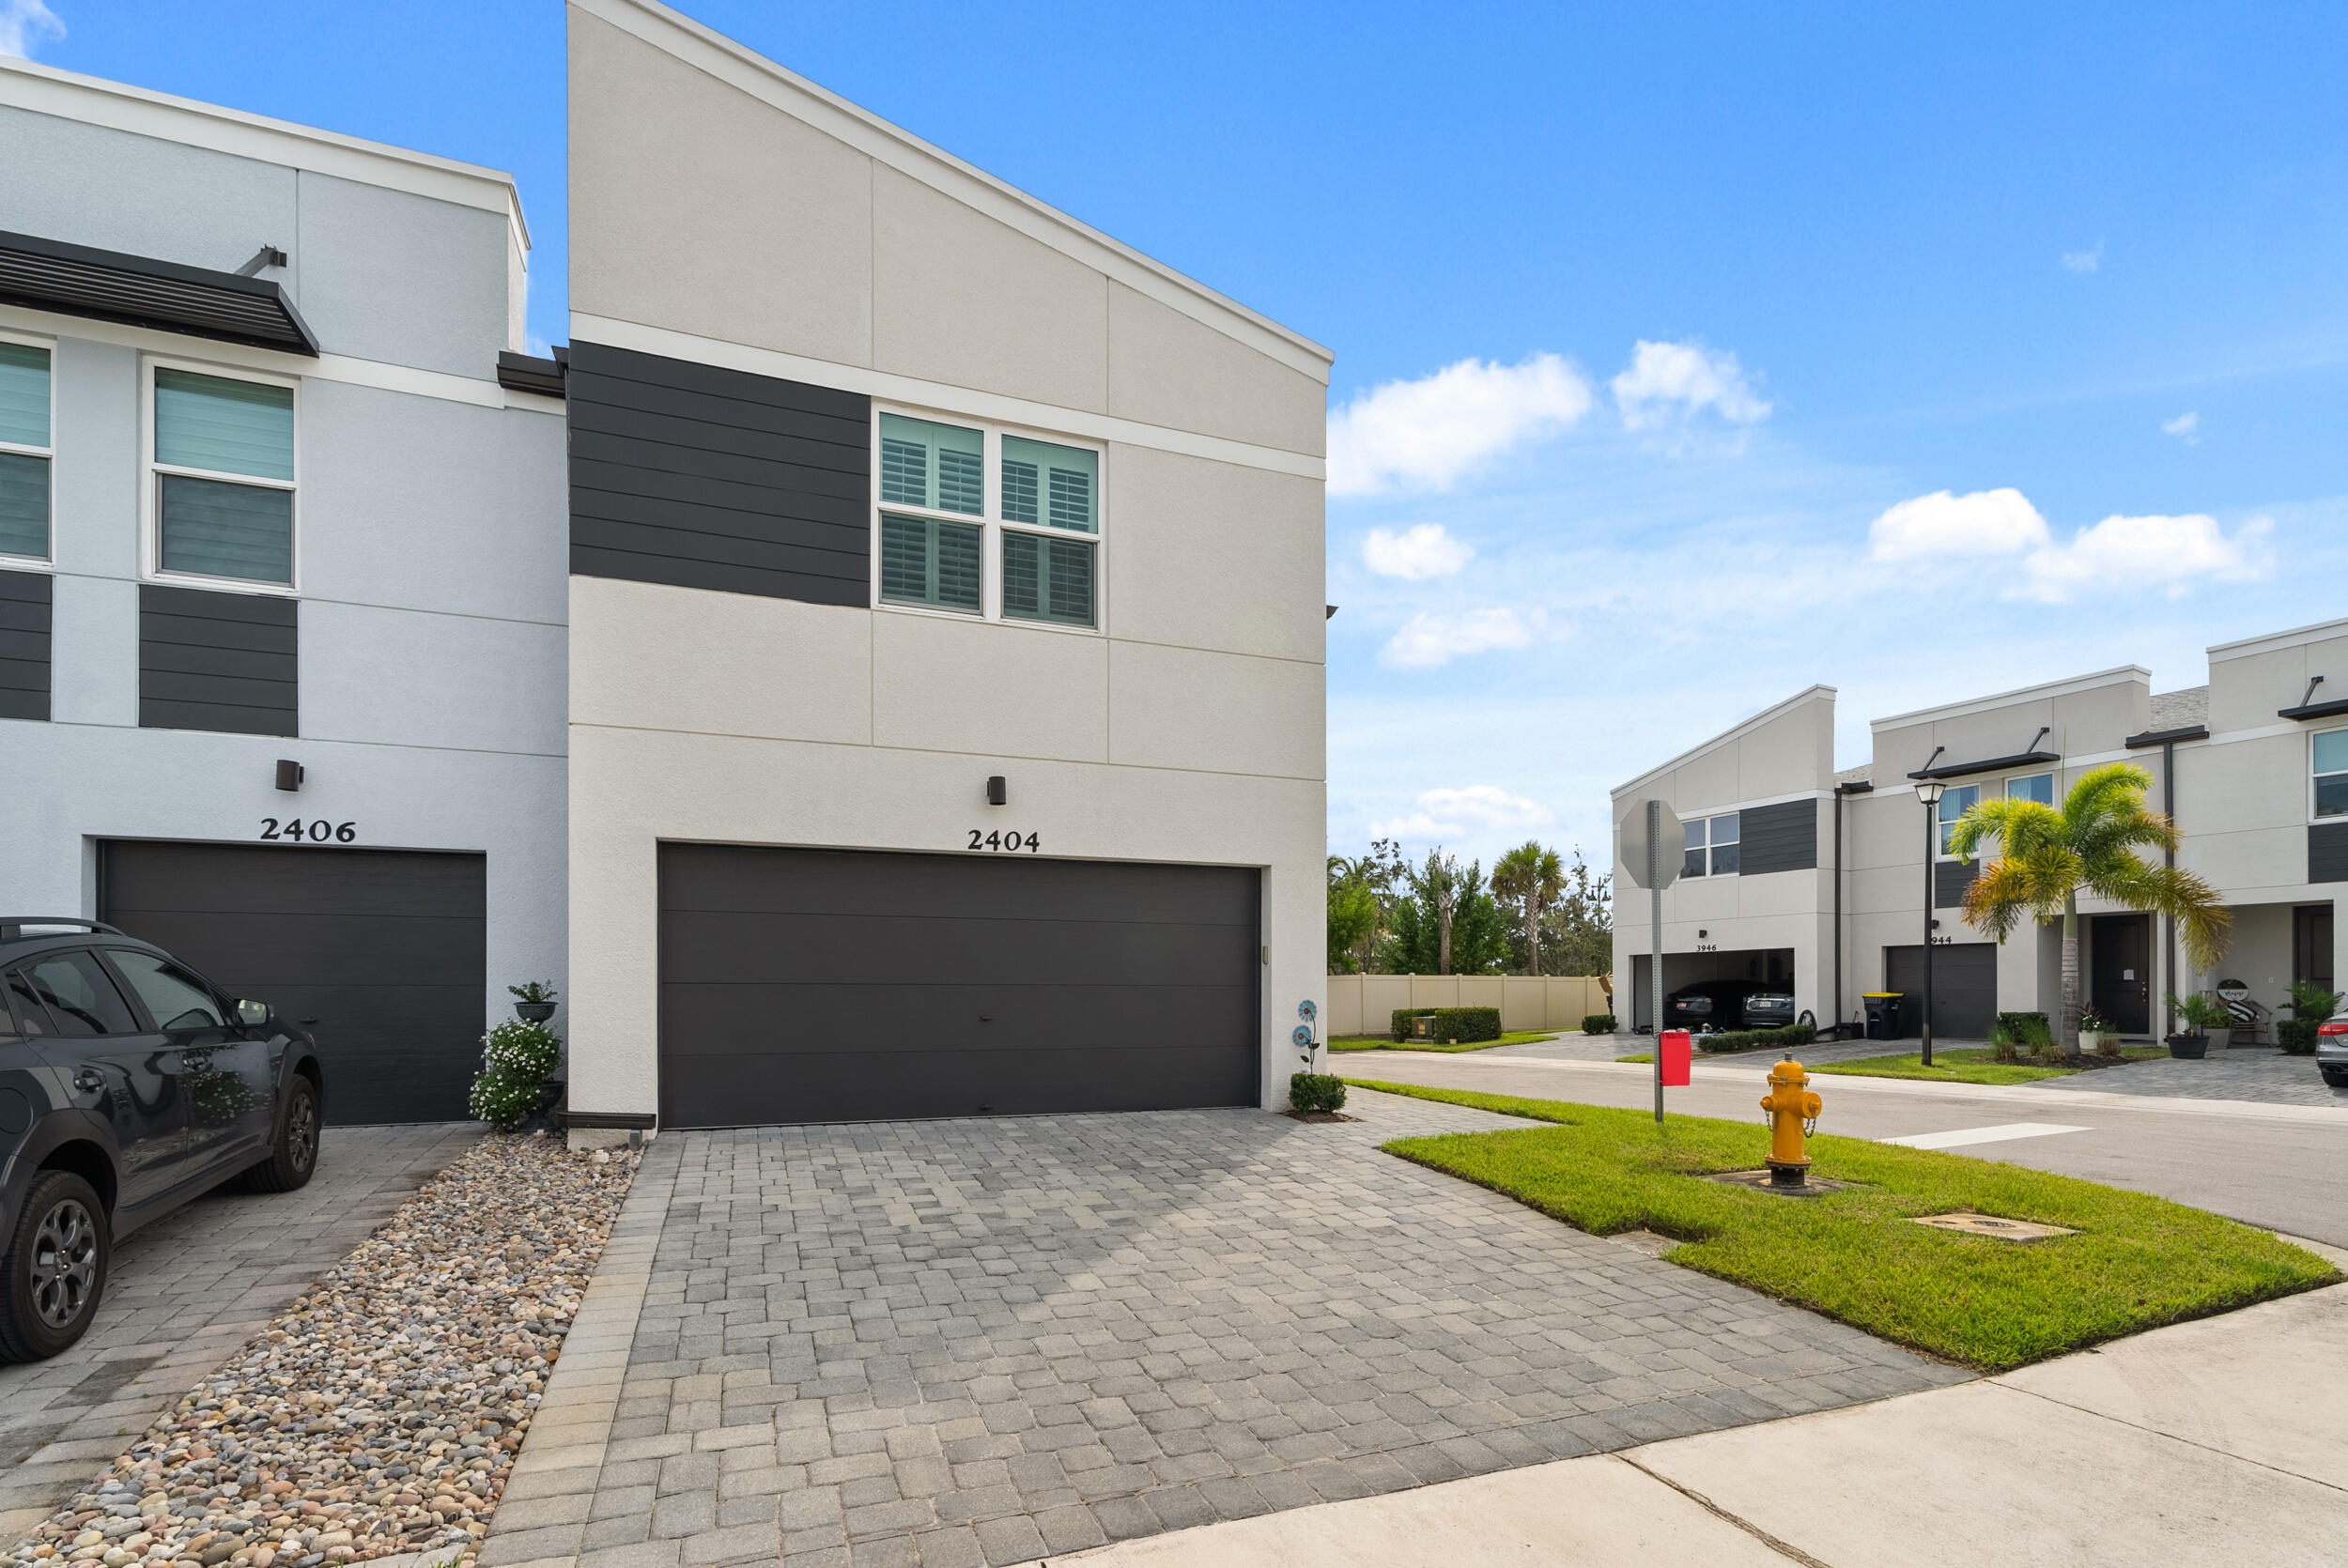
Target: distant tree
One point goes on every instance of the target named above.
(1526, 881)
(1353, 917)
(1447, 925)
(1382, 875)
(1578, 933)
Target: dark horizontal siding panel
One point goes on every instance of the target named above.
(815, 547)
(690, 376)
(2327, 852)
(1949, 878)
(155, 714)
(588, 561)
(1780, 837)
(205, 603)
(219, 661)
(700, 477)
(24, 648)
(805, 439)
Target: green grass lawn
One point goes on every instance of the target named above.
(1968, 1065)
(2137, 1263)
(1380, 1042)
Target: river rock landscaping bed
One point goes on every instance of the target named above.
(381, 1414)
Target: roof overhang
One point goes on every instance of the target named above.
(109, 285)
(2167, 737)
(1987, 764)
(529, 374)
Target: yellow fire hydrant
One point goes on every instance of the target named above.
(1793, 1111)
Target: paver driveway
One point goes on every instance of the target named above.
(187, 1290)
(966, 1341)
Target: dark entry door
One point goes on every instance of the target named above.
(2120, 971)
(384, 949)
(829, 985)
(1964, 986)
(2311, 943)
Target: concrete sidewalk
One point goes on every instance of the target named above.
(2221, 1441)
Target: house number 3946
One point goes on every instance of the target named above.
(317, 830)
(1007, 842)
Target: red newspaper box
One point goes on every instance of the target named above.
(1674, 1058)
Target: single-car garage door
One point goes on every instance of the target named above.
(385, 949)
(1964, 985)
(831, 985)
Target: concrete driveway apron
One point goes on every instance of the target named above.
(975, 1342)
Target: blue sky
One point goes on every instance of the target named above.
(1686, 355)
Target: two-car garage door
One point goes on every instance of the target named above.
(831, 985)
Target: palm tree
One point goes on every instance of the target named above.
(2048, 855)
(1530, 878)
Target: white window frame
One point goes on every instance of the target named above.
(2313, 776)
(31, 340)
(1939, 840)
(990, 523)
(151, 490)
(2046, 774)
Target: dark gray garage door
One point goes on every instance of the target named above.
(1964, 985)
(383, 947)
(825, 985)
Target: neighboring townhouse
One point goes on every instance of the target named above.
(946, 619)
(929, 721)
(1796, 872)
(280, 564)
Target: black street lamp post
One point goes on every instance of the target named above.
(1929, 792)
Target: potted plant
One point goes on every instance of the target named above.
(534, 1001)
(2203, 1015)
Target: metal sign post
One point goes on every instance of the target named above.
(1654, 842)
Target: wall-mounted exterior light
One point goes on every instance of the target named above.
(998, 791)
(288, 775)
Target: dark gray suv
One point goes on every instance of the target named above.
(129, 1085)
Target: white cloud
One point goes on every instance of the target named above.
(1452, 813)
(1427, 640)
(1677, 380)
(2186, 427)
(2174, 553)
(25, 23)
(1425, 434)
(1423, 550)
(2084, 261)
(1942, 526)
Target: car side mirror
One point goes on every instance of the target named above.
(253, 1014)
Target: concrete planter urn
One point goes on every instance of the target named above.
(2189, 1048)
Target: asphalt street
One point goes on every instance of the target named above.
(2283, 1167)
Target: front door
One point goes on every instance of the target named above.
(2311, 943)
(2120, 973)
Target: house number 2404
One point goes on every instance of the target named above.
(1007, 842)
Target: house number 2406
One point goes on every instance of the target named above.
(317, 830)
(1007, 842)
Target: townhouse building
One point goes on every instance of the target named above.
(1825, 880)
(282, 648)
(874, 668)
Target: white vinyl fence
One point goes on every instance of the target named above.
(1365, 1004)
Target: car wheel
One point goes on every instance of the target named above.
(55, 1267)
(296, 1152)
(2337, 1079)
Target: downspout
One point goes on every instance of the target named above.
(2168, 922)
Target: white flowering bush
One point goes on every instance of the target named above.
(515, 1058)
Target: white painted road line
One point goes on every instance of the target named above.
(1981, 1135)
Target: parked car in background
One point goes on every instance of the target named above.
(129, 1085)
(2331, 1049)
(1723, 1005)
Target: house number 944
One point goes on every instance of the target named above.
(1006, 843)
(317, 830)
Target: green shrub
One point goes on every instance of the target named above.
(2022, 1028)
(515, 1058)
(1316, 1091)
(1748, 1039)
(2296, 1036)
(1460, 1025)
(1598, 1024)
(2310, 1000)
